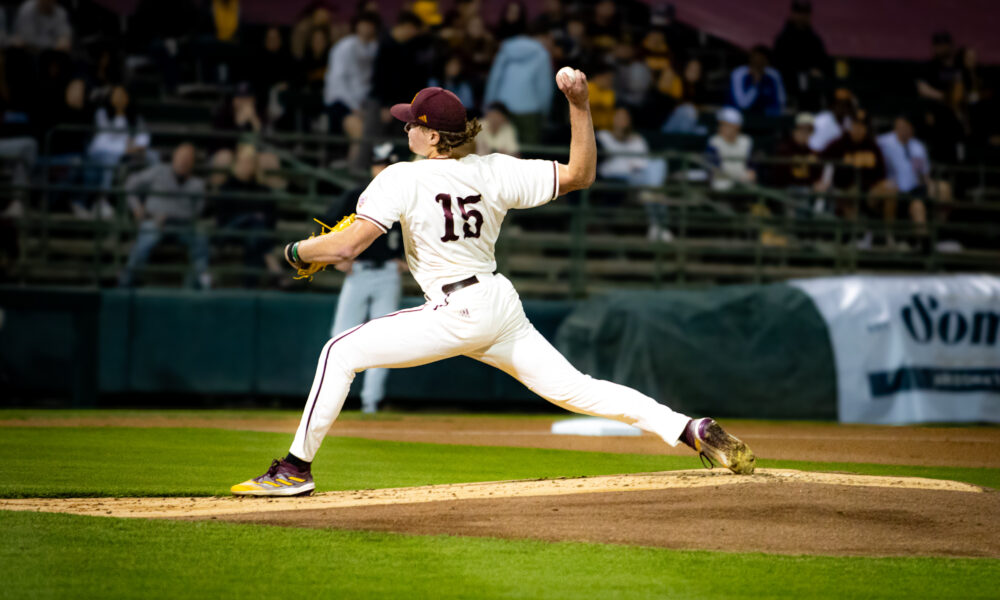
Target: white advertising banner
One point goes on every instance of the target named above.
(913, 349)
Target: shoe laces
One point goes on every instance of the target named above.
(710, 464)
(273, 469)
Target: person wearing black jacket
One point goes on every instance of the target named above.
(399, 70)
(800, 55)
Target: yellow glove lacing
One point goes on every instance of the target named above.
(316, 267)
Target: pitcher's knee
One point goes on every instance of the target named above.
(337, 360)
(569, 390)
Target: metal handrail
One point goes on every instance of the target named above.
(583, 213)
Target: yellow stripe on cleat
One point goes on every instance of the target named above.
(284, 482)
(297, 479)
(271, 484)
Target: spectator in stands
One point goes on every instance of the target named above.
(909, 167)
(513, 21)
(73, 111)
(601, 85)
(269, 172)
(667, 85)
(67, 148)
(574, 44)
(160, 29)
(313, 66)
(942, 88)
(274, 70)
(684, 117)
(800, 56)
(222, 20)
(236, 113)
(166, 201)
(605, 25)
(552, 18)
(833, 122)
(680, 39)
(801, 169)
(729, 150)
(218, 47)
(633, 78)
(859, 169)
(454, 79)
(21, 152)
(219, 166)
(428, 11)
(399, 71)
(498, 134)
(349, 71)
(316, 15)
(461, 14)
(479, 45)
(273, 61)
(627, 160)
(250, 211)
(42, 25)
(521, 78)
(121, 134)
(756, 88)
(656, 52)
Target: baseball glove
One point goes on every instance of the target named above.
(306, 270)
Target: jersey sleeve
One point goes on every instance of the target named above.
(381, 203)
(524, 183)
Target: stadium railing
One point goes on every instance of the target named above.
(592, 241)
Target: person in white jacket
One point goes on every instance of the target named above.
(120, 132)
(349, 71)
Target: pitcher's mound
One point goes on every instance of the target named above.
(774, 510)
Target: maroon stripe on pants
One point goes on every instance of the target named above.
(326, 358)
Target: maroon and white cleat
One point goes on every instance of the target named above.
(711, 442)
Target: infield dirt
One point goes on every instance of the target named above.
(776, 511)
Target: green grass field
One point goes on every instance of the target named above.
(63, 556)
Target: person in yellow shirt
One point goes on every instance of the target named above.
(602, 97)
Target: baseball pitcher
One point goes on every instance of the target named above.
(450, 210)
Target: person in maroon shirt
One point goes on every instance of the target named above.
(856, 165)
(801, 168)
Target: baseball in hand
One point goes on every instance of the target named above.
(569, 73)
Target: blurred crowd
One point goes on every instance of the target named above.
(650, 75)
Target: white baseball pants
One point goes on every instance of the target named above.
(368, 292)
(486, 322)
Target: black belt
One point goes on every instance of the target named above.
(454, 287)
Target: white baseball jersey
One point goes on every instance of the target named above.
(451, 212)
(451, 209)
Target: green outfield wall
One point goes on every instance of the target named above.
(744, 351)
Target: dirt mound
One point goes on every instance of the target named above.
(794, 518)
(780, 511)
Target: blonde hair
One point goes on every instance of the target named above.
(453, 139)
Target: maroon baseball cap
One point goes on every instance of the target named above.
(434, 107)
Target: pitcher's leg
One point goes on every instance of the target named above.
(532, 360)
(406, 338)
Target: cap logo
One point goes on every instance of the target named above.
(423, 118)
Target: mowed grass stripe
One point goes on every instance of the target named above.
(62, 556)
(71, 462)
